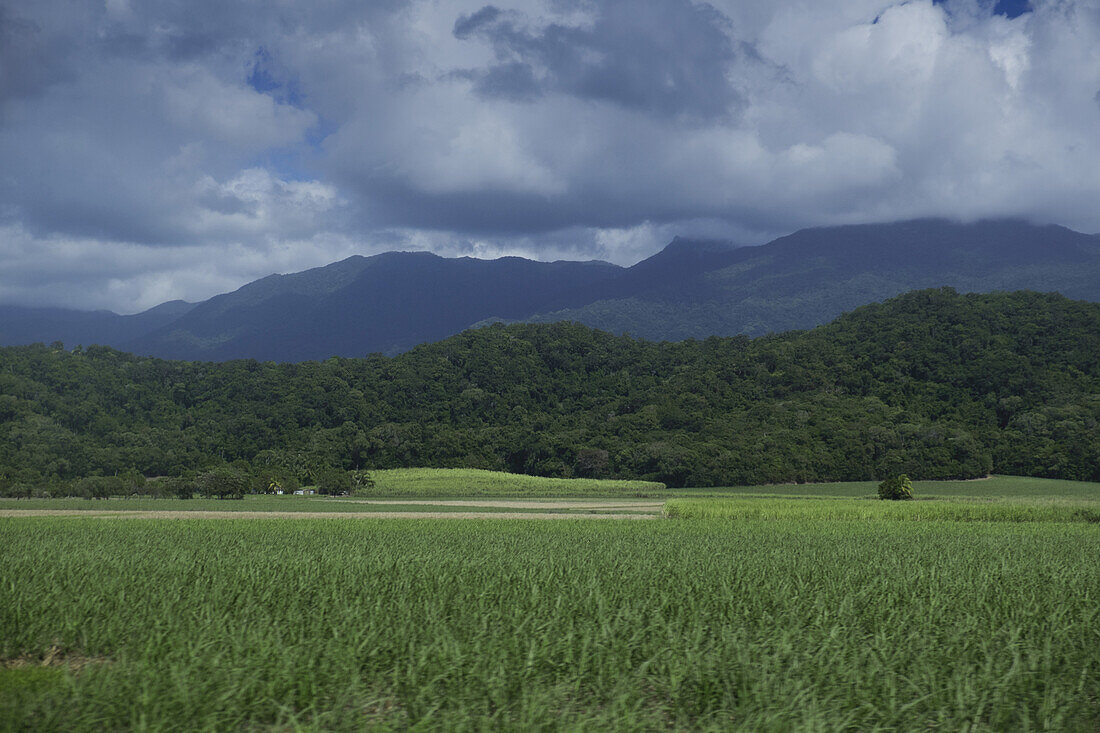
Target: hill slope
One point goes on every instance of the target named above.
(932, 383)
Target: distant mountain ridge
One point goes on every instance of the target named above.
(810, 277)
(22, 325)
(388, 303)
(691, 289)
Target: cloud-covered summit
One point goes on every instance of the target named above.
(154, 150)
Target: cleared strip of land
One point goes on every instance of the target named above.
(516, 504)
(211, 514)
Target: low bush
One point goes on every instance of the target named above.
(896, 488)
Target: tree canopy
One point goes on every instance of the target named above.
(932, 384)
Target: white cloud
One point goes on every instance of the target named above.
(896, 54)
(197, 105)
(140, 163)
(86, 273)
(255, 202)
(440, 140)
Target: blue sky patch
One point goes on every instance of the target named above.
(1008, 8)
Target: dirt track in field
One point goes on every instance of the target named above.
(208, 514)
(594, 504)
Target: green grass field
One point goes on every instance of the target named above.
(258, 502)
(471, 482)
(976, 611)
(830, 508)
(250, 503)
(1002, 487)
(454, 482)
(405, 483)
(352, 624)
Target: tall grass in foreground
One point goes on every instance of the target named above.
(353, 624)
(876, 510)
(472, 482)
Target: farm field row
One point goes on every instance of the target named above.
(499, 492)
(832, 508)
(471, 482)
(401, 512)
(729, 508)
(455, 483)
(304, 507)
(1007, 487)
(786, 623)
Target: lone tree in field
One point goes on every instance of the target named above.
(898, 487)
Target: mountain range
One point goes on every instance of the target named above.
(691, 289)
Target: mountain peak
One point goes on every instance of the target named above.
(693, 287)
(685, 257)
(680, 245)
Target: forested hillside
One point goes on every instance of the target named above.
(931, 383)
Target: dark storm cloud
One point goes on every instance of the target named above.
(30, 59)
(122, 118)
(467, 25)
(669, 57)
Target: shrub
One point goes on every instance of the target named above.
(178, 487)
(896, 488)
(273, 480)
(100, 487)
(332, 481)
(224, 482)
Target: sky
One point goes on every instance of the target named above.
(160, 149)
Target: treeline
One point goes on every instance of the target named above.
(228, 481)
(932, 384)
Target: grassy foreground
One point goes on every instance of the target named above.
(354, 624)
(471, 482)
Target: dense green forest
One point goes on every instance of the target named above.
(932, 383)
